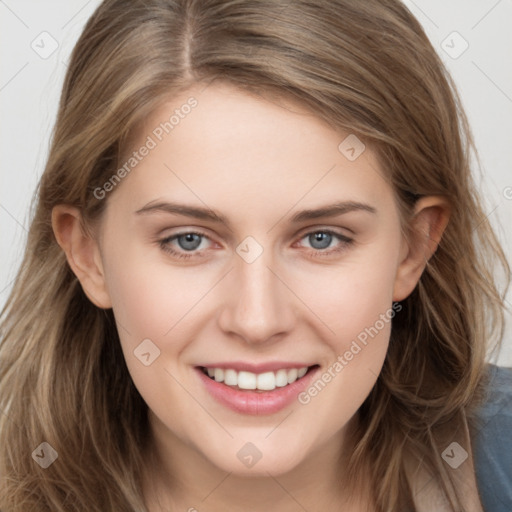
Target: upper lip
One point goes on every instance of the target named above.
(270, 366)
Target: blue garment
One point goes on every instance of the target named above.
(492, 442)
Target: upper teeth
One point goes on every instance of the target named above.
(265, 381)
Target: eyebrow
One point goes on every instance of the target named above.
(198, 212)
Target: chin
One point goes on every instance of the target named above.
(250, 460)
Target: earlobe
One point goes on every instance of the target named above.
(431, 216)
(82, 253)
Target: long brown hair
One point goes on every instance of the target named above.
(364, 67)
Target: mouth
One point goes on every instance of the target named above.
(268, 391)
(242, 380)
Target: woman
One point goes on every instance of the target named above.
(258, 274)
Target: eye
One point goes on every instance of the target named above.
(188, 241)
(322, 239)
(188, 244)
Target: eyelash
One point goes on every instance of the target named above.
(345, 241)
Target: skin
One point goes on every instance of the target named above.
(257, 163)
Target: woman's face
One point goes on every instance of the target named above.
(276, 286)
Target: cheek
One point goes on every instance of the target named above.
(157, 303)
(357, 307)
(352, 296)
(151, 298)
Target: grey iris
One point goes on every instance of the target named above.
(192, 241)
(323, 238)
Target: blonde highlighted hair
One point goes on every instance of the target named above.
(364, 67)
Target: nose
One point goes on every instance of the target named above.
(259, 307)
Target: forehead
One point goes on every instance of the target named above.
(224, 146)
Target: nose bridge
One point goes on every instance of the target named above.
(258, 307)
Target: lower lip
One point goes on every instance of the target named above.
(256, 402)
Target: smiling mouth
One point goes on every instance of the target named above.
(259, 382)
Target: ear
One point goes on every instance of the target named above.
(430, 218)
(82, 253)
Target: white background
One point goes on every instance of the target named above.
(30, 88)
